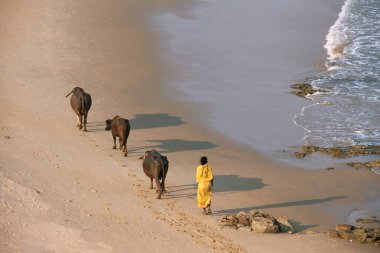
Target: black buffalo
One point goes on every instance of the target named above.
(156, 166)
(81, 103)
(120, 128)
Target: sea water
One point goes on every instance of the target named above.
(219, 59)
(348, 111)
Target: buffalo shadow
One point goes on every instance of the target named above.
(145, 121)
(94, 126)
(176, 145)
(181, 191)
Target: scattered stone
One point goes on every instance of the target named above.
(257, 222)
(330, 168)
(354, 234)
(7, 137)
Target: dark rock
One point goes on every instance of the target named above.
(284, 225)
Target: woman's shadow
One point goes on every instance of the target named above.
(235, 183)
(223, 184)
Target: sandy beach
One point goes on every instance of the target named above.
(65, 190)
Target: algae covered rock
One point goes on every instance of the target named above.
(345, 152)
(303, 89)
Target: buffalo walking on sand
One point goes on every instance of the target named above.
(156, 166)
(120, 128)
(81, 103)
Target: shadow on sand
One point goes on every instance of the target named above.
(296, 224)
(299, 227)
(95, 126)
(145, 121)
(223, 184)
(283, 204)
(176, 145)
(235, 183)
(181, 191)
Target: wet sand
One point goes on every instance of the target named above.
(66, 190)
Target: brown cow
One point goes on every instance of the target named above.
(81, 103)
(120, 128)
(156, 166)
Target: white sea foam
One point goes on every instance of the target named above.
(335, 37)
(376, 171)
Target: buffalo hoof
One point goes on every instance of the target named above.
(114, 147)
(125, 155)
(85, 130)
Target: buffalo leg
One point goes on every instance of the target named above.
(158, 185)
(151, 183)
(85, 122)
(114, 141)
(125, 148)
(163, 180)
(79, 121)
(121, 141)
(163, 186)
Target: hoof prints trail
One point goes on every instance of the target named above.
(173, 215)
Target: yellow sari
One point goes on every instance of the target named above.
(204, 177)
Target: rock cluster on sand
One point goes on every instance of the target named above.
(257, 222)
(358, 235)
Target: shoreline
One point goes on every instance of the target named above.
(68, 190)
(252, 122)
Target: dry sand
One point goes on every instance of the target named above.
(64, 190)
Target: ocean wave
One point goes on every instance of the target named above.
(336, 39)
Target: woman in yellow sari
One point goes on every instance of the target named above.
(205, 182)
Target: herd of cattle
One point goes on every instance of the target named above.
(154, 164)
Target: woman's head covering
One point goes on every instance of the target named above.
(203, 160)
